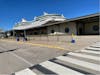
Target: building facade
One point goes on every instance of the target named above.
(54, 24)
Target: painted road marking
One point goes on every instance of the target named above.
(95, 46)
(25, 72)
(22, 59)
(90, 51)
(98, 43)
(60, 70)
(85, 64)
(85, 56)
(41, 45)
(90, 48)
(49, 46)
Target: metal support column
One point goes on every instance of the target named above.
(99, 28)
(13, 33)
(25, 33)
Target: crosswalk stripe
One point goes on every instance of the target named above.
(95, 46)
(91, 48)
(25, 72)
(38, 69)
(85, 56)
(60, 70)
(85, 61)
(90, 51)
(84, 64)
(98, 43)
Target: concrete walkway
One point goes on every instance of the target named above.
(81, 42)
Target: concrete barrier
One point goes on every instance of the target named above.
(61, 38)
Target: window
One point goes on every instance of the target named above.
(96, 27)
(52, 31)
(67, 30)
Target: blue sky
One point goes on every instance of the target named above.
(11, 11)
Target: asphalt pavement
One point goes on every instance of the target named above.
(15, 57)
(81, 62)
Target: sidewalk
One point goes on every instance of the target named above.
(79, 44)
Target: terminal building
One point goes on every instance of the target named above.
(55, 24)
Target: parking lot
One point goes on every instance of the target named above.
(15, 57)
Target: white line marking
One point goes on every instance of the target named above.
(22, 59)
(85, 56)
(25, 72)
(89, 51)
(92, 48)
(83, 64)
(98, 43)
(60, 70)
(95, 46)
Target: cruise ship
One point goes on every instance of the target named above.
(39, 21)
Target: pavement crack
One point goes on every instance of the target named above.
(9, 50)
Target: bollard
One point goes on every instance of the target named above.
(17, 39)
(24, 39)
(72, 41)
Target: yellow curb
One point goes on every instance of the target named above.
(42, 45)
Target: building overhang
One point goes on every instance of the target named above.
(87, 18)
